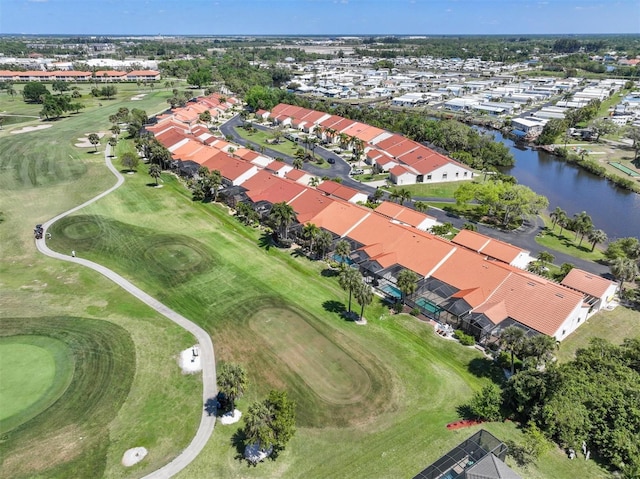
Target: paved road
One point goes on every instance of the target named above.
(524, 237)
(209, 388)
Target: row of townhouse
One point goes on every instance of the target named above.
(78, 76)
(472, 282)
(406, 161)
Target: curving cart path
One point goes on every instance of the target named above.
(209, 388)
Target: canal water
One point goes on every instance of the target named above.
(614, 210)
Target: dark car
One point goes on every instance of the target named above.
(331, 161)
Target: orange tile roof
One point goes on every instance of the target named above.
(391, 141)
(537, 303)
(171, 137)
(402, 213)
(230, 168)
(295, 175)
(468, 271)
(264, 186)
(310, 204)
(140, 73)
(588, 283)
(338, 190)
(339, 217)
(488, 246)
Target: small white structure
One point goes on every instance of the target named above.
(189, 360)
(253, 453)
(231, 417)
(133, 456)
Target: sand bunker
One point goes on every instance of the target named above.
(139, 96)
(189, 360)
(230, 417)
(27, 129)
(83, 141)
(133, 456)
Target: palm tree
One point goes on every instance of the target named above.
(323, 242)
(154, 172)
(582, 224)
(215, 181)
(94, 139)
(545, 258)
(232, 381)
(309, 233)
(257, 427)
(113, 142)
(343, 249)
(364, 297)
(469, 226)
(394, 195)
(115, 129)
(314, 181)
(557, 215)
(350, 279)
(595, 237)
(624, 269)
(512, 339)
(283, 215)
(540, 347)
(407, 282)
(298, 163)
(404, 195)
(421, 206)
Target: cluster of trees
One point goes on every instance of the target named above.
(107, 91)
(179, 99)
(205, 184)
(53, 106)
(556, 126)
(503, 201)
(624, 259)
(594, 398)
(271, 423)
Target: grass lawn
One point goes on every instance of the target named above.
(133, 393)
(614, 326)
(435, 190)
(393, 384)
(551, 239)
(259, 138)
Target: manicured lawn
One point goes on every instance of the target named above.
(373, 398)
(614, 326)
(260, 138)
(435, 190)
(35, 371)
(135, 393)
(551, 238)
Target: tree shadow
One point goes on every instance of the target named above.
(266, 241)
(211, 406)
(299, 253)
(486, 368)
(333, 306)
(329, 273)
(238, 441)
(464, 411)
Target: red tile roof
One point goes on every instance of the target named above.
(310, 204)
(264, 186)
(402, 213)
(338, 190)
(488, 246)
(588, 283)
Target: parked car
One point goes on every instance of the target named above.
(331, 161)
(357, 171)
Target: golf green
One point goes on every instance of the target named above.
(34, 372)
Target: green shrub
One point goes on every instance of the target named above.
(415, 312)
(464, 338)
(398, 306)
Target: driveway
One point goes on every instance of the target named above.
(209, 387)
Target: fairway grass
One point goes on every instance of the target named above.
(393, 425)
(35, 371)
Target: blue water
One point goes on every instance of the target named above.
(392, 291)
(340, 259)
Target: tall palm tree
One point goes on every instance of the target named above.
(343, 249)
(407, 282)
(624, 269)
(323, 242)
(314, 181)
(350, 279)
(582, 224)
(155, 172)
(364, 297)
(556, 215)
(404, 195)
(310, 233)
(232, 381)
(545, 258)
(394, 195)
(512, 339)
(283, 215)
(257, 427)
(595, 237)
(298, 163)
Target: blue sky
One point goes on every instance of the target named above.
(318, 17)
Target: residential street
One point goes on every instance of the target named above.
(524, 237)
